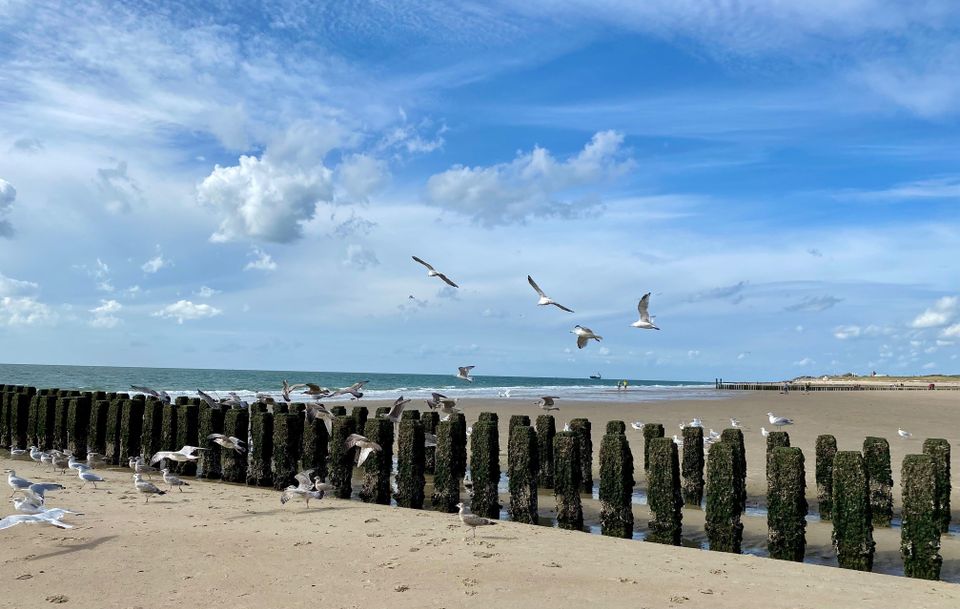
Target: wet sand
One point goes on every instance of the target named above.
(223, 543)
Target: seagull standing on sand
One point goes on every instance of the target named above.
(644, 322)
(305, 489)
(463, 372)
(546, 402)
(544, 299)
(172, 480)
(432, 272)
(584, 335)
(904, 434)
(88, 476)
(95, 461)
(764, 432)
(36, 454)
(366, 446)
(147, 488)
(472, 520)
(394, 414)
(61, 462)
(779, 421)
(140, 466)
(16, 482)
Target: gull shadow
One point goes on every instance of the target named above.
(90, 545)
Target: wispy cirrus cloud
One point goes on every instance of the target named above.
(814, 303)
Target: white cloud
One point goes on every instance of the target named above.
(799, 329)
(262, 261)
(103, 316)
(260, 199)
(13, 287)
(207, 292)
(119, 192)
(360, 257)
(871, 331)
(531, 184)
(361, 175)
(929, 365)
(132, 291)
(940, 314)
(951, 331)
(156, 263)
(804, 362)
(186, 310)
(603, 351)
(25, 312)
(8, 194)
(693, 353)
(845, 332)
(742, 355)
(945, 343)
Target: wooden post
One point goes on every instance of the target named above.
(410, 479)
(723, 526)
(342, 458)
(826, 451)
(546, 432)
(786, 504)
(524, 471)
(259, 471)
(876, 458)
(920, 534)
(132, 420)
(379, 465)
(360, 414)
(616, 483)
(582, 428)
(19, 405)
(734, 437)
(691, 471)
(211, 421)
(651, 431)
(188, 434)
(485, 468)
(939, 450)
(430, 420)
(446, 480)
(287, 443)
(97, 431)
(78, 423)
(233, 465)
(852, 525)
(567, 470)
(315, 449)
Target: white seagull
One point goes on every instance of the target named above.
(546, 402)
(677, 441)
(432, 272)
(162, 395)
(472, 520)
(366, 445)
(305, 490)
(463, 372)
(16, 482)
(355, 390)
(172, 480)
(182, 455)
(544, 299)
(734, 422)
(584, 335)
(228, 442)
(779, 421)
(764, 432)
(638, 425)
(51, 516)
(644, 322)
(36, 491)
(395, 411)
(147, 488)
(88, 476)
(904, 434)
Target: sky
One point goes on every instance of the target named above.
(243, 184)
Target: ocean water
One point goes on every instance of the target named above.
(185, 381)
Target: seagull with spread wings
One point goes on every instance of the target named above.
(305, 489)
(161, 395)
(644, 322)
(544, 299)
(365, 444)
(432, 272)
(463, 372)
(396, 410)
(584, 335)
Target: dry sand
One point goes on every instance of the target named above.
(234, 545)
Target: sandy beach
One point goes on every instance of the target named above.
(237, 545)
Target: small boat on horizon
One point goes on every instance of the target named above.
(596, 376)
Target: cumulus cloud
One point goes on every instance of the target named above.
(534, 184)
(951, 331)
(13, 287)
(361, 175)
(207, 292)
(103, 316)
(156, 263)
(186, 310)
(264, 200)
(119, 191)
(814, 303)
(262, 261)
(854, 331)
(940, 314)
(360, 257)
(8, 194)
(25, 311)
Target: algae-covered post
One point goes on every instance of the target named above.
(338, 410)
(583, 429)
(315, 448)
(786, 504)
(650, 432)
(852, 525)
(97, 430)
(616, 483)
(233, 465)
(723, 526)
(876, 458)
(78, 424)
(188, 434)
(663, 492)
(211, 421)
(517, 419)
(168, 430)
(360, 414)
(430, 420)
(826, 451)
(19, 417)
(920, 533)
(342, 458)
(446, 480)
(523, 474)
(939, 450)
(485, 467)
(616, 427)
(459, 431)
(259, 471)
(566, 482)
(132, 421)
(734, 437)
(410, 478)
(691, 468)
(379, 464)
(287, 443)
(546, 431)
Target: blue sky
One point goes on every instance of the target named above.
(243, 184)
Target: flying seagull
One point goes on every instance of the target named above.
(546, 402)
(36, 491)
(464, 373)
(52, 516)
(644, 322)
(432, 272)
(184, 454)
(638, 425)
(544, 299)
(903, 433)
(366, 446)
(584, 335)
(161, 395)
(228, 442)
(395, 410)
(355, 390)
(317, 410)
(287, 389)
(208, 399)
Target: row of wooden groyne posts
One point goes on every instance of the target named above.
(854, 489)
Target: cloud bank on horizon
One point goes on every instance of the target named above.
(244, 189)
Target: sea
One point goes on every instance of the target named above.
(185, 381)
